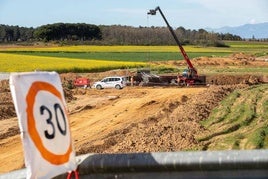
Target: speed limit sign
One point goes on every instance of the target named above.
(41, 110)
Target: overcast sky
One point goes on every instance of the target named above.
(191, 14)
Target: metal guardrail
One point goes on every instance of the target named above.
(201, 164)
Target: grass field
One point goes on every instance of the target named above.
(123, 49)
(123, 56)
(100, 58)
(119, 53)
(240, 121)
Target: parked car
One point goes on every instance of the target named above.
(111, 82)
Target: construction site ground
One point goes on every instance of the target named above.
(134, 119)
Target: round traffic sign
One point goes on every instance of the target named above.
(47, 154)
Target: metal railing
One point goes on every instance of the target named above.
(200, 164)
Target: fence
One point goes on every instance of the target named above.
(201, 164)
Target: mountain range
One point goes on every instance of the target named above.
(257, 31)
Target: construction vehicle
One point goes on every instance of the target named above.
(189, 75)
(144, 77)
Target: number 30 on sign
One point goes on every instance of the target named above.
(40, 106)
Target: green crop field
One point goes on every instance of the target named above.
(80, 58)
(256, 48)
(123, 56)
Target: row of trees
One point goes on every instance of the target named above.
(111, 35)
(161, 36)
(57, 31)
(67, 31)
(15, 33)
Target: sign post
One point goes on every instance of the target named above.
(41, 110)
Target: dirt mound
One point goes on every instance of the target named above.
(243, 57)
(173, 128)
(68, 94)
(235, 60)
(234, 79)
(7, 109)
(11, 131)
(4, 86)
(200, 105)
(239, 59)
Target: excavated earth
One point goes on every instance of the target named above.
(134, 119)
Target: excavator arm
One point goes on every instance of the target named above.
(191, 69)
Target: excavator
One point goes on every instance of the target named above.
(189, 76)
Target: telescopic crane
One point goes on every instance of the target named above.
(190, 75)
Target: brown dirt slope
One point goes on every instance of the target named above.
(172, 128)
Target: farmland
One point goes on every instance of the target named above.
(20, 63)
(229, 114)
(81, 58)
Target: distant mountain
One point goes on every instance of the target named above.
(259, 31)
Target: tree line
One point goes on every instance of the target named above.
(67, 31)
(127, 35)
(111, 35)
(15, 33)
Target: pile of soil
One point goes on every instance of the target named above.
(173, 128)
(243, 57)
(237, 59)
(7, 109)
(234, 79)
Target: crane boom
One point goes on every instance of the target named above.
(186, 58)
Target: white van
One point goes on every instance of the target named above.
(111, 82)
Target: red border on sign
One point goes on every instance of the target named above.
(30, 100)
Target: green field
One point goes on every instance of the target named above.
(140, 53)
(80, 58)
(123, 56)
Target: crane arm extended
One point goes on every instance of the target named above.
(190, 65)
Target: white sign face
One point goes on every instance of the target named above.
(45, 131)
